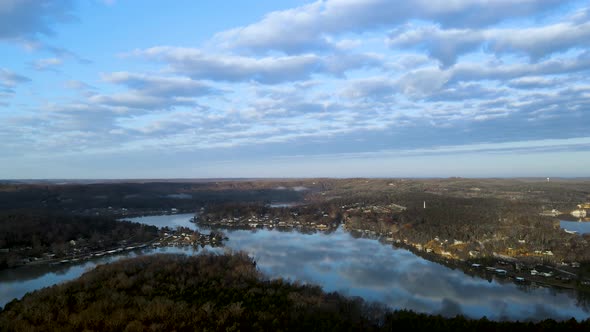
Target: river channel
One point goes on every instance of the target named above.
(352, 266)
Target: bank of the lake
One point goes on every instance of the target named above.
(16, 282)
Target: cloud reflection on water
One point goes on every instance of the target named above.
(377, 272)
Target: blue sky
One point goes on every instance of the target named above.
(343, 88)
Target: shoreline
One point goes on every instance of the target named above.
(169, 238)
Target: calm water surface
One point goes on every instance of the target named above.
(352, 266)
(582, 227)
(172, 220)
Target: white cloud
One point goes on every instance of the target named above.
(47, 63)
(77, 85)
(525, 146)
(467, 71)
(198, 64)
(130, 100)
(153, 85)
(270, 70)
(307, 27)
(535, 42)
(372, 88)
(10, 79)
(528, 82)
(422, 82)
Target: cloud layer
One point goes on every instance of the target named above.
(308, 27)
(327, 77)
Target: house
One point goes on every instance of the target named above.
(551, 213)
(578, 213)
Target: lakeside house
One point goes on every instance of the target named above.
(551, 213)
(580, 213)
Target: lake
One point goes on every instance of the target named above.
(352, 266)
(581, 227)
(172, 220)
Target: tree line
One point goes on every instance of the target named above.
(25, 234)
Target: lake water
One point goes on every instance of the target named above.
(582, 227)
(172, 220)
(352, 266)
(283, 205)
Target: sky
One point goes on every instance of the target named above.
(291, 88)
